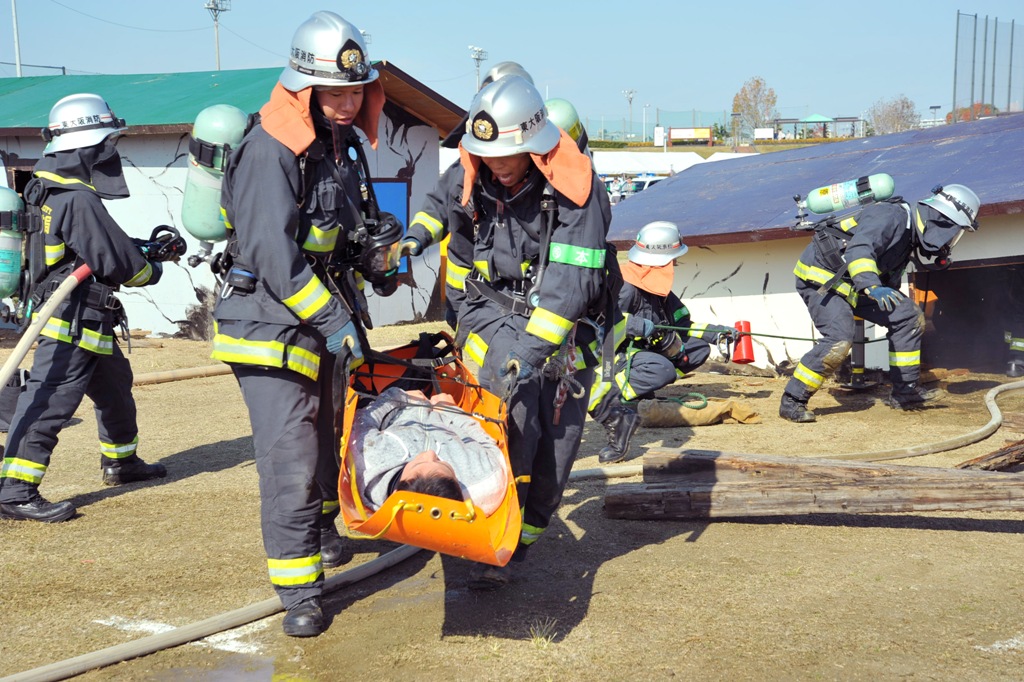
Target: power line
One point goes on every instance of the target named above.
(134, 28)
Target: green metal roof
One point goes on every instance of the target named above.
(140, 99)
(813, 118)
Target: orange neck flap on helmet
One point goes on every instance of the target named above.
(656, 279)
(286, 116)
(567, 169)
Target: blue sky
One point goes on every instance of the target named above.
(832, 58)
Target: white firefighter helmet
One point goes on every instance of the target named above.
(657, 244)
(563, 114)
(956, 202)
(508, 117)
(327, 50)
(502, 69)
(80, 120)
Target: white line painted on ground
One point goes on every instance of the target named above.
(224, 641)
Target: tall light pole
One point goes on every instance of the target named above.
(478, 54)
(629, 98)
(216, 7)
(643, 137)
(17, 49)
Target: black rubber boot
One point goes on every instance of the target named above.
(795, 410)
(37, 508)
(1015, 368)
(334, 551)
(485, 577)
(619, 428)
(909, 396)
(305, 619)
(129, 470)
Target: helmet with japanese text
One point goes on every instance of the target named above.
(327, 50)
(508, 117)
(657, 244)
(80, 120)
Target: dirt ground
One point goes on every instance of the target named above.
(933, 596)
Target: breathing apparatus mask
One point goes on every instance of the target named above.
(939, 223)
(374, 251)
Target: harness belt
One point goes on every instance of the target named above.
(514, 301)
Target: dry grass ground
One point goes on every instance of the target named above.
(836, 597)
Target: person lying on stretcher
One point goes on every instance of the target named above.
(406, 441)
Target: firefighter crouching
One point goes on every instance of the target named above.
(304, 233)
(855, 268)
(77, 354)
(650, 358)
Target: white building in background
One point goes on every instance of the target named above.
(159, 110)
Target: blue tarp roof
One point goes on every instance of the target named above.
(751, 198)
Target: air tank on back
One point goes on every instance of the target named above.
(218, 129)
(12, 214)
(842, 195)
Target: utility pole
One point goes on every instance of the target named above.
(478, 55)
(629, 98)
(643, 136)
(216, 7)
(17, 48)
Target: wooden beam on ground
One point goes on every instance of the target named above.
(691, 484)
(1000, 460)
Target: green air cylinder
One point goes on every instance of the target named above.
(863, 190)
(11, 212)
(563, 114)
(218, 129)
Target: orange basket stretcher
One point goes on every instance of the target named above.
(435, 523)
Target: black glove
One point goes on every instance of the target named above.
(165, 244)
(514, 370)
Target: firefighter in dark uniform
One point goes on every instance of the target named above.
(854, 269)
(443, 214)
(651, 358)
(298, 202)
(77, 354)
(532, 268)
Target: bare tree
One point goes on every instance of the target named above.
(755, 104)
(893, 116)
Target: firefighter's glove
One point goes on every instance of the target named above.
(648, 328)
(887, 298)
(157, 273)
(411, 247)
(345, 341)
(514, 370)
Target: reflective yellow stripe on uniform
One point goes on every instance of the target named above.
(101, 344)
(244, 352)
(810, 273)
(862, 265)
(309, 300)
(301, 571)
(597, 393)
(429, 223)
(456, 276)
(23, 470)
(57, 329)
(119, 450)
(475, 348)
(907, 358)
(697, 329)
(321, 241)
(47, 175)
(482, 267)
(330, 506)
(548, 326)
(808, 377)
(141, 277)
(622, 381)
(530, 534)
(304, 362)
(54, 253)
(1015, 343)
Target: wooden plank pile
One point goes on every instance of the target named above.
(693, 484)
